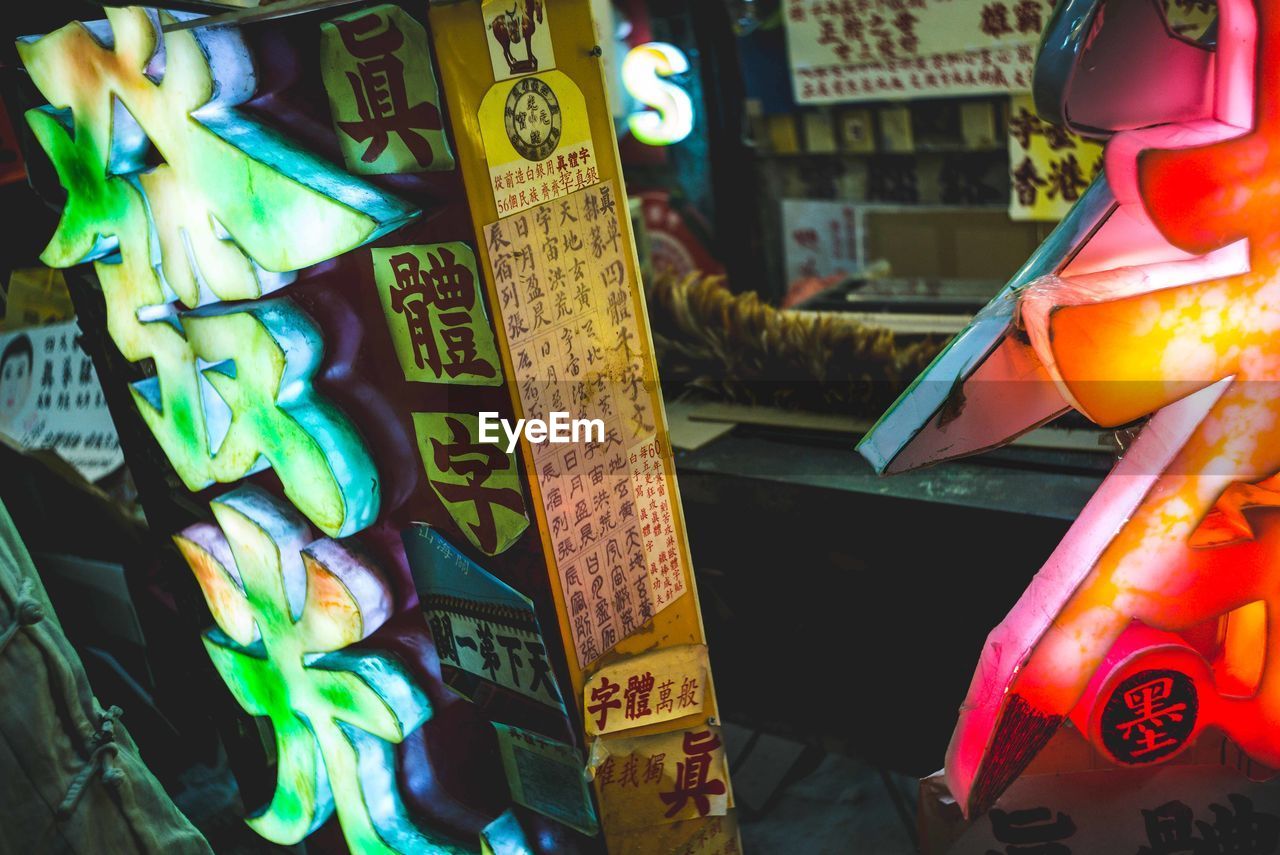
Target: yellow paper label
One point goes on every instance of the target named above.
(663, 685)
(1049, 167)
(382, 91)
(537, 141)
(478, 482)
(435, 312)
(668, 777)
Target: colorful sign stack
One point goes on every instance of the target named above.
(324, 276)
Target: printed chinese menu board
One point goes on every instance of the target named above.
(313, 290)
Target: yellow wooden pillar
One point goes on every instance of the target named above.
(535, 141)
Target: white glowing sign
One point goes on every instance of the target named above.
(670, 118)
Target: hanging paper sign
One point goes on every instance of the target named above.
(519, 37)
(1049, 167)
(565, 298)
(819, 238)
(50, 398)
(663, 685)
(859, 50)
(537, 141)
(548, 777)
(477, 482)
(668, 777)
(382, 90)
(481, 626)
(431, 298)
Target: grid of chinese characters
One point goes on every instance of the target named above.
(521, 185)
(566, 301)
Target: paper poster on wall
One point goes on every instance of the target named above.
(383, 93)
(819, 238)
(1049, 167)
(567, 311)
(482, 627)
(547, 776)
(478, 482)
(662, 685)
(518, 33)
(432, 299)
(859, 50)
(537, 141)
(667, 777)
(50, 398)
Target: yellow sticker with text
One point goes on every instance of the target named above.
(432, 299)
(537, 141)
(645, 781)
(383, 93)
(478, 482)
(662, 685)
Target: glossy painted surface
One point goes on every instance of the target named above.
(287, 607)
(183, 202)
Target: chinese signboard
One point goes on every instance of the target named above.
(383, 93)
(319, 331)
(860, 50)
(660, 686)
(434, 305)
(481, 625)
(667, 777)
(1049, 167)
(1150, 305)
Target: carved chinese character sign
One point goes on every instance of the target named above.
(1152, 301)
(199, 212)
(308, 335)
(286, 607)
